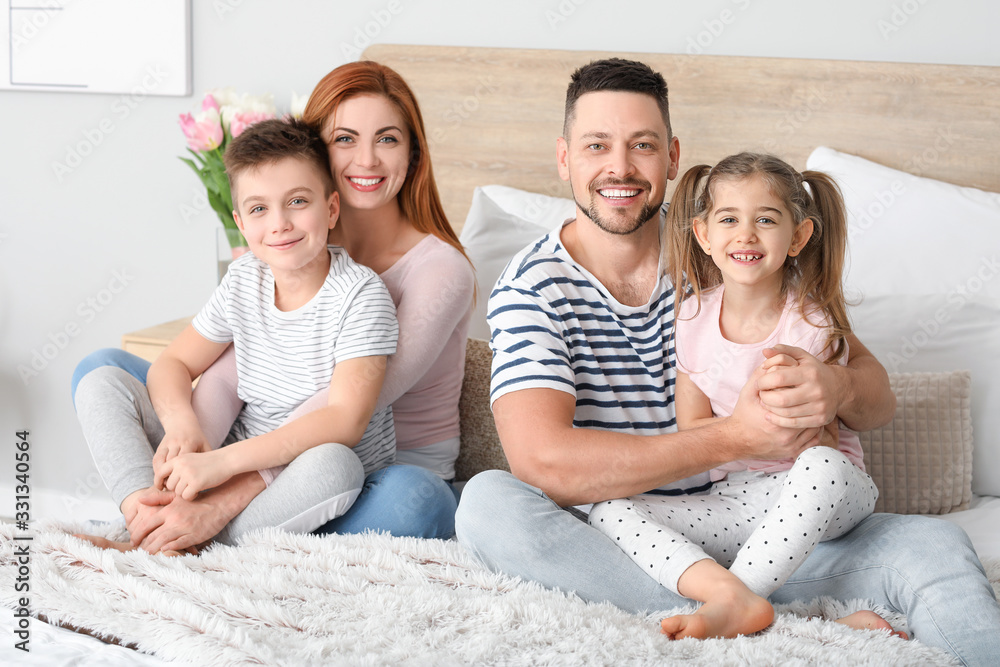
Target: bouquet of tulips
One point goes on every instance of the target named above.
(224, 115)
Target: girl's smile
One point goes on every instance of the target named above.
(749, 233)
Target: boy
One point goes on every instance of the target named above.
(300, 315)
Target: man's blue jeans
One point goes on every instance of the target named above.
(922, 567)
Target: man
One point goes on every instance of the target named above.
(582, 394)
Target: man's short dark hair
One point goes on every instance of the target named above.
(617, 75)
(271, 141)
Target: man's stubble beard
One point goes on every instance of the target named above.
(626, 225)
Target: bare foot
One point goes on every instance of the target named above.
(742, 613)
(104, 543)
(869, 620)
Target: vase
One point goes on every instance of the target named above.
(229, 245)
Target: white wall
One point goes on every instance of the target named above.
(112, 229)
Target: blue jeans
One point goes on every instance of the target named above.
(403, 500)
(922, 567)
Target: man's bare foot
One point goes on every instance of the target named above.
(869, 620)
(741, 613)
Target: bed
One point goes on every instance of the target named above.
(492, 116)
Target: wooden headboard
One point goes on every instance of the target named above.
(493, 115)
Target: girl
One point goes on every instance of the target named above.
(756, 259)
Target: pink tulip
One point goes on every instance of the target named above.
(244, 119)
(203, 133)
(209, 102)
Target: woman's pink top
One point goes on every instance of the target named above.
(432, 286)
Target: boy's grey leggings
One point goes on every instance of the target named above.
(122, 431)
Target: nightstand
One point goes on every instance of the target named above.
(149, 343)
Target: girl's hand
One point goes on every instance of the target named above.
(760, 436)
(797, 389)
(177, 441)
(188, 474)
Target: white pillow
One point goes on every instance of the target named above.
(500, 223)
(924, 260)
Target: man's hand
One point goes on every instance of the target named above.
(763, 438)
(830, 435)
(188, 474)
(179, 441)
(798, 390)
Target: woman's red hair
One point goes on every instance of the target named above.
(418, 198)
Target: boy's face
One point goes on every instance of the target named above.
(284, 214)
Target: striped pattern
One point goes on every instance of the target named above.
(283, 358)
(554, 326)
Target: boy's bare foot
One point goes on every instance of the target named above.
(869, 620)
(104, 543)
(741, 613)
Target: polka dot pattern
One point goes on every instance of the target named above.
(761, 526)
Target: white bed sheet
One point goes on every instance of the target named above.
(52, 646)
(982, 522)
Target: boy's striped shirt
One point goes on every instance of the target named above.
(284, 358)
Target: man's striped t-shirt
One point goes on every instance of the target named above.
(283, 358)
(555, 326)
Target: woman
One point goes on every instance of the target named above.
(392, 221)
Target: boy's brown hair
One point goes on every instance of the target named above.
(270, 141)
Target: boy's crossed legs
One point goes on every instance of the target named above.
(122, 430)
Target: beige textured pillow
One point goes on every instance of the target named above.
(922, 460)
(480, 449)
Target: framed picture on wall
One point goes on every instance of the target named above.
(96, 46)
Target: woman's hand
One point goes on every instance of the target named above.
(188, 474)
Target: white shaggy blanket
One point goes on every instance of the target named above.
(281, 599)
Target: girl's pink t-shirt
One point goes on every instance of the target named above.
(720, 368)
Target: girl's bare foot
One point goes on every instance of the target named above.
(740, 613)
(869, 620)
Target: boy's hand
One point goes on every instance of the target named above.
(179, 441)
(188, 474)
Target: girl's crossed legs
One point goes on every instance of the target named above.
(761, 526)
